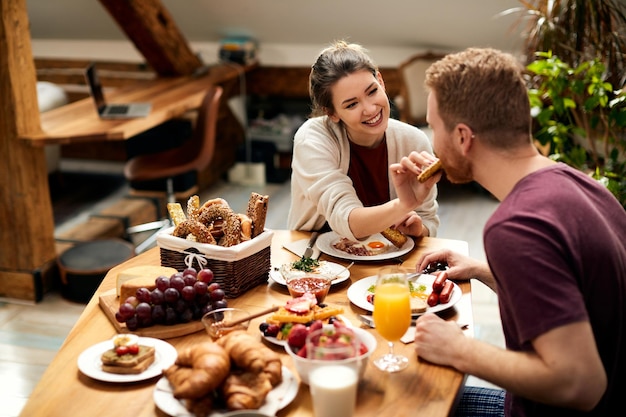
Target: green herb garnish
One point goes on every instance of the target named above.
(305, 264)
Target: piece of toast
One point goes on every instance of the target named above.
(111, 358)
(394, 236)
(429, 171)
(418, 305)
(130, 370)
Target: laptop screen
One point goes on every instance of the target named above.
(95, 86)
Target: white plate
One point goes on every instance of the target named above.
(357, 293)
(277, 399)
(333, 267)
(90, 364)
(325, 244)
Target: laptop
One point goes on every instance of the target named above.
(112, 111)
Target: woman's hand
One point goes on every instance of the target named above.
(411, 192)
(411, 225)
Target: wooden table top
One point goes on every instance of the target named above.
(423, 389)
(170, 97)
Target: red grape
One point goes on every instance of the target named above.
(132, 300)
(177, 283)
(162, 283)
(189, 279)
(213, 286)
(127, 310)
(143, 295)
(171, 295)
(205, 275)
(188, 293)
(217, 295)
(190, 271)
(157, 297)
(143, 311)
(200, 287)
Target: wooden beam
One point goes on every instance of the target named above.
(153, 31)
(27, 222)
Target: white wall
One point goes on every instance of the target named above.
(290, 32)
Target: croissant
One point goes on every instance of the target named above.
(209, 364)
(273, 367)
(247, 352)
(245, 391)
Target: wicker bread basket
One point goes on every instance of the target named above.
(237, 268)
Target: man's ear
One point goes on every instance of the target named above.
(465, 137)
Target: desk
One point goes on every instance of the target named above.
(170, 97)
(423, 389)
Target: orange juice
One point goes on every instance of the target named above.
(392, 310)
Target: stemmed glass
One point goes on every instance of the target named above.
(392, 314)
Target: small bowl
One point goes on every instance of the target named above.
(304, 366)
(213, 320)
(316, 284)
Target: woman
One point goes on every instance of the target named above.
(341, 155)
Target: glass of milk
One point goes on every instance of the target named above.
(333, 390)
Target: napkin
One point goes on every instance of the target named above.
(298, 247)
(409, 336)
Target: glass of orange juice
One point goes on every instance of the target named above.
(392, 314)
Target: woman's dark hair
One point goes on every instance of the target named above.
(333, 63)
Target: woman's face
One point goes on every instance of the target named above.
(361, 103)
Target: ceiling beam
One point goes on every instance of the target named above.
(151, 28)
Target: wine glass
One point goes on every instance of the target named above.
(392, 314)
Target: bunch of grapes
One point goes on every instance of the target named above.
(180, 298)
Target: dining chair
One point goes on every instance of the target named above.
(413, 97)
(168, 166)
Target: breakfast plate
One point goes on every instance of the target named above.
(358, 291)
(277, 399)
(326, 241)
(333, 268)
(90, 364)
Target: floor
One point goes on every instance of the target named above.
(30, 335)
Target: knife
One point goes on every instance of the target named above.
(308, 252)
(369, 320)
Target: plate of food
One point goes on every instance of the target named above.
(374, 248)
(277, 399)
(361, 292)
(337, 272)
(102, 362)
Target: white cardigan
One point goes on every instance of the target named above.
(320, 187)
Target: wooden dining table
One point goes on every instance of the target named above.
(423, 389)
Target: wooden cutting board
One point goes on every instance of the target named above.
(109, 303)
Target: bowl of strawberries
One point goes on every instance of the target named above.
(322, 344)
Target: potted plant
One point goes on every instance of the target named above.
(580, 118)
(575, 52)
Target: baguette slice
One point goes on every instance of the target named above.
(429, 171)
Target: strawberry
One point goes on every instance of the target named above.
(316, 325)
(302, 352)
(297, 335)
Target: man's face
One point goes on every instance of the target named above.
(445, 144)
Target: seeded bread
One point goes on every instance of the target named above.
(128, 363)
(257, 212)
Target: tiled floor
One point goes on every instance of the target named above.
(31, 335)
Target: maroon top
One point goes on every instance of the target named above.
(556, 247)
(369, 173)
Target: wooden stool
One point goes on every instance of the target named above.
(84, 266)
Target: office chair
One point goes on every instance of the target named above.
(191, 157)
(413, 97)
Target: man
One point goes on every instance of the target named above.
(555, 249)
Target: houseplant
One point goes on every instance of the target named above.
(580, 118)
(575, 55)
